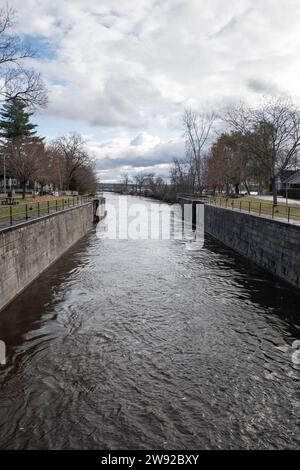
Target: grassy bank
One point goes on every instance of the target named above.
(30, 208)
(259, 206)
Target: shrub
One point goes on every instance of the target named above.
(293, 193)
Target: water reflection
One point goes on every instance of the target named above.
(151, 344)
(33, 312)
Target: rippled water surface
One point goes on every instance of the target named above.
(151, 344)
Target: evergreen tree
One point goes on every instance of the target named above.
(15, 121)
(23, 148)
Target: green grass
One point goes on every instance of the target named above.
(27, 210)
(258, 206)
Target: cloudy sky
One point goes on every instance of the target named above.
(121, 72)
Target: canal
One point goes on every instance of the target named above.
(151, 344)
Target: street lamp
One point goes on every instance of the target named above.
(4, 174)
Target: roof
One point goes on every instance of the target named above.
(293, 179)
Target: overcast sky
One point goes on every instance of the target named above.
(121, 72)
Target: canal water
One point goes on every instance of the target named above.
(151, 344)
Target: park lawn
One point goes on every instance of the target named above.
(251, 204)
(33, 207)
(46, 197)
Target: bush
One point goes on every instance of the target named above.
(293, 193)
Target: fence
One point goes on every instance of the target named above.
(14, 214)
(279, 211)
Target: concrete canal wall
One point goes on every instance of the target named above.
(27, 249)
(271, 244)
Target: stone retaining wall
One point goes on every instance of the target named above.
(272, 244)
(27, 249)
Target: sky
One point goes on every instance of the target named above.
(121, 72)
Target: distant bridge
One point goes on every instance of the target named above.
(113, 187)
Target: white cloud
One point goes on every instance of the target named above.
(143, 153)
(133, 66)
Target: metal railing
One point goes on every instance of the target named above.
(191, 196)
(24, 211)
(258, 207)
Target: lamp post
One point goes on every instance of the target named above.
(4, 174)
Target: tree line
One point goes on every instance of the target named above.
(63, 163)
(147, 184)
(254, 149)
(243, 147)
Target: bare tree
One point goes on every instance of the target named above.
(125, 180)
(17, 81)
(140, 180)
(182, 176)
(217, 168)
(197, 130)
(72, 152)
(86, 180)
(158, 187)
(57, 168)
(229, 164)
(44, 174)
(271, 134)
(24, 156)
